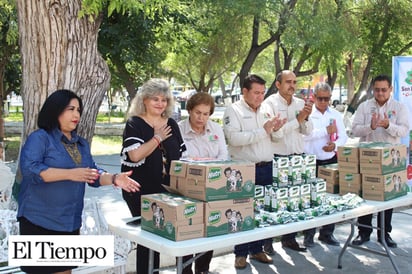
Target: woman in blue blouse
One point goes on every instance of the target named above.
(56, 164)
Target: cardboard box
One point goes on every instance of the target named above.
(350, 188)
(220, 180)
(349, 178)
(348, 153)
(186, 187)
(384, 187)
(174, 217)
(329, 173)
(391, 157)
(371, 168)
(178, 168)
(332, 187)
(377, 168)
(229, 216)
(350, 183)
(347, 167)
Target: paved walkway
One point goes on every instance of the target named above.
(320, 259)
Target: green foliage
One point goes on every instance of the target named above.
(211, 43)
(100, 145)
(106, 145)
(14, 117)
(115, 117)
(9, 53)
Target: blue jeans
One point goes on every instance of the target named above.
(263, 177)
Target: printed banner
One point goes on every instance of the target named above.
(402, 91)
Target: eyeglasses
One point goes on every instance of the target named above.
(324, 99)
(380, 90)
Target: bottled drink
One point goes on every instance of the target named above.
(333, 136)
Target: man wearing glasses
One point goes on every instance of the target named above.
(328, 133)
(380, 119)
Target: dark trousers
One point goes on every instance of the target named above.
(28, 228)
(201, 264)
(133, 201)
(367, 220)
(326, 230)
(263, 177)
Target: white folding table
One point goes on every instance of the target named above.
(117, 214)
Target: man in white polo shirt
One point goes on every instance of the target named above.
(328, 133)
(380, 119)
(248, 127)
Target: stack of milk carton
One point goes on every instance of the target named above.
(222, 191)
(295, 186)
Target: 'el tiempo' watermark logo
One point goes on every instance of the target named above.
(51, 250)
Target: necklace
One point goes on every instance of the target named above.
(74, 152)
(152, 122)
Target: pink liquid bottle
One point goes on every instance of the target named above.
(333, 136)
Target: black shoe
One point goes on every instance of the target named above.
(308, 241)
(329, 239)
(360, 239)
(268, 248)
(292, 244)
(389, 242)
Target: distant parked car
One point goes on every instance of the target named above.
(305, 93)
(339, 96)
(175, 93)
(184, 96)
(235, 96)
(177, 112)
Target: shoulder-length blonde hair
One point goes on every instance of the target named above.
(153, 87)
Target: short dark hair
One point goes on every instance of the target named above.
(382, 77)
(54, 106)
(252, 78)
(201, 98)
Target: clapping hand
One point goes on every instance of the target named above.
(383, 122)
(274, 124)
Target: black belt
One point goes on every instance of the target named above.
(332, 160)
(264, 163)
(293, 154)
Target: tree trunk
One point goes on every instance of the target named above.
(59, 51)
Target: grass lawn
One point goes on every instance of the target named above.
(100, 144)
